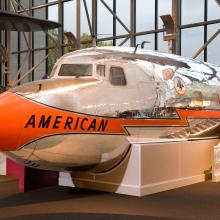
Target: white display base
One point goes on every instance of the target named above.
(150, 168)
(2, 164)
(216, 163)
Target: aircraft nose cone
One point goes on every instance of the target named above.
(10, 124)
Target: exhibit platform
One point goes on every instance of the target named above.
(151, 167)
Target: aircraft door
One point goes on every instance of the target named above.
(149, 95)
(122, 89)
(149, 92)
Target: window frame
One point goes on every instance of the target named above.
(109, 77)
(78, 63)
(105, 70)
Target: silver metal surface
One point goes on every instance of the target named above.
(157, 87)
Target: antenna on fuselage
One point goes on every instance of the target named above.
(143, 43)
(136, 49)
(142, 46)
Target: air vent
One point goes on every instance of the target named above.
(30, 163)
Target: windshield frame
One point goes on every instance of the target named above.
(56, 74)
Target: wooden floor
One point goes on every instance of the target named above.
(199, 201)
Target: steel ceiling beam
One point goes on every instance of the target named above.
(88, 18)
(114, 22)
(176, 15)
(218, 2)
(199, 51)
(133, 22)
(94, 22)
(116, 16)
(78, 22)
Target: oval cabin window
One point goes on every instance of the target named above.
(117, 76)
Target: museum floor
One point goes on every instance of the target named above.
(199, 201)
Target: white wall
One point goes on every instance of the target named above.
(2, 164)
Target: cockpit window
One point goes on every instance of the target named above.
(117, 76)
(76, 70)
(100, 70)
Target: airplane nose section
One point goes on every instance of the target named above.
(10, 123)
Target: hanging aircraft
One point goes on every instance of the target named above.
(14, 21)
(97, 99)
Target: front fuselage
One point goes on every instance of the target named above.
(83, 116)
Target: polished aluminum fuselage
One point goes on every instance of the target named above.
(165, 97)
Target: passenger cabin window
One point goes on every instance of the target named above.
(77, 70)
(117, 76)
(100, 70)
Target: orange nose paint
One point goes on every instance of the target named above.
(10, 121)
